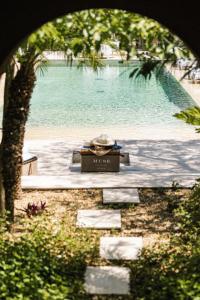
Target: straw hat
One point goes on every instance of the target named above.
(103, 140)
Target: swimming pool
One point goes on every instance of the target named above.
(79, 97)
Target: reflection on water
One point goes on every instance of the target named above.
(75, 97)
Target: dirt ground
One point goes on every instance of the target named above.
(151, 219)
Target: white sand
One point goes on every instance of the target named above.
(140, 132)
(152, 164)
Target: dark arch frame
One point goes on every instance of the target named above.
(19, 18)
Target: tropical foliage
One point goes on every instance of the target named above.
(191, 116)
(41, 264)
(171, 271)
(125, 32)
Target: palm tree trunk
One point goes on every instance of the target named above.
(14, 120)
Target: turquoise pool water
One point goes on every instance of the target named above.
(72, 97)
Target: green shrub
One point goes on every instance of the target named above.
(172, 271)
(41, 265)
(167, 273)
(188, 214)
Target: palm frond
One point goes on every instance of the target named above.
(190, 115)
(145, 69)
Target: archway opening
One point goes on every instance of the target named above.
(62, 257)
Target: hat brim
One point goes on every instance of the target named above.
(104, 145)
(95, 142)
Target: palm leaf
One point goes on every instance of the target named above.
(145, 69)
(190, 115)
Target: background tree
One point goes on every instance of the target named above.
(20, 81)
(89, 29)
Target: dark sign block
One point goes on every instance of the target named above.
(124, 157)
(94, 163)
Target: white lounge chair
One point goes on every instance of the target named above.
(29, 166)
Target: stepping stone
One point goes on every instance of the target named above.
(120, 196)
(128, 248)
(101, 219)
(107, 280)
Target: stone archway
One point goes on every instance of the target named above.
(19, 19)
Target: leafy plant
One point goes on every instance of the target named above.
(146, 69)
(34, 209)
(172, 203)
(175, 185)
(171, 270)
(41, 264)
(191, 116)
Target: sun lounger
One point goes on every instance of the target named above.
(29, 166)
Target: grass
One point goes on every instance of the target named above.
(45, 256)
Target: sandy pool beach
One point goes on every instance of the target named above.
(87, 133)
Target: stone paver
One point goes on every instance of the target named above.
(120, 196)
(100, 219)
(127, 248)
(107, 280)
(103, 180)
